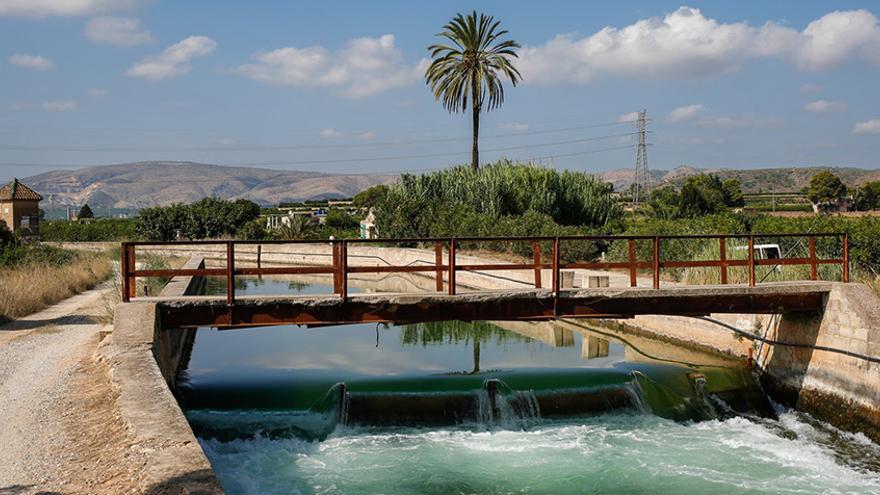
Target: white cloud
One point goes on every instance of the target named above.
(867, 127)
(745, 121)
(628, 117)
(514, 126)
(174, 60)
(228, 141)
(119, 31)
(45, 8)
(687, 44)
(363, 67)
(681, 114)
(32, 62)
(825, 106)
(58, 106)
(811, 88)
(332, 134)
(367, 136)
(98, 92)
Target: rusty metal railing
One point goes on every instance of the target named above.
(340, 269)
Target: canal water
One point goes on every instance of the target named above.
(475, 408)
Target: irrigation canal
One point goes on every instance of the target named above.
(453, 407)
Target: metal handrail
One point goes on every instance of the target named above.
(340, 269)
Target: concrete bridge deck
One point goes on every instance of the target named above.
(534, 305)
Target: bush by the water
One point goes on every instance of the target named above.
(205, 219)
(441, 203)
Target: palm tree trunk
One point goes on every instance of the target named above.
(475, 152)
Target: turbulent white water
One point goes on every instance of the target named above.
(612, 453)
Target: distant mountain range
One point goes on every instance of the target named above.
(144, 184)
(757, 180)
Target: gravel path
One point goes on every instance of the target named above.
(39, 359)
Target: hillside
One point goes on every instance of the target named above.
(143, 184)
(753, 180)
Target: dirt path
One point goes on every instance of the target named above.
(59, 431)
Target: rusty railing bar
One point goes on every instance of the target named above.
(656, 260)
(452, 266)
(814, 269)
(633, 280)
(340, 268)
(438, 267)
(230, 273)
(131, 266)
(123, 264)
(556, 274)
(751, 261)
(487, 239)
(536, 259)
(343, 270)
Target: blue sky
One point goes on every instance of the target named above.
(337, 86)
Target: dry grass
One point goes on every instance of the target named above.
(872, 281)
(151, 285)
(30, 288)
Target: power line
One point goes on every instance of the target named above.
(407, 157)
(226, 133)
(300, 147)
(388, 172)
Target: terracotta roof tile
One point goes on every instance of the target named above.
(17, 190)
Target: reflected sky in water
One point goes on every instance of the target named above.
(244, 355)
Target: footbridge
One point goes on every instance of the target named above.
(515, 278)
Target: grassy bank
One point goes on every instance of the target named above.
(43, 276)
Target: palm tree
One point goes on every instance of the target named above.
(469, 70)
(297, 227)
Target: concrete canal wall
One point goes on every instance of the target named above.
(143, 360)
(842, 389)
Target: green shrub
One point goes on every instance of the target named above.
(339, 218)
(207, 218)
(102, 230)
(497, 190)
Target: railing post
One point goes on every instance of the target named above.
(845, 258)
(814, 268)
(656, 262)
(259, 257)
(438, 262)
(722, 250)
(336, 282)
(556, 274)
(536, 257)
(633, 280)
(230, 273)
(132, 266)
(751, 260)
(123, 264)
(343, 270)
(452, 267)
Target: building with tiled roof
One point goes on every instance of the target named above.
(20, 208)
